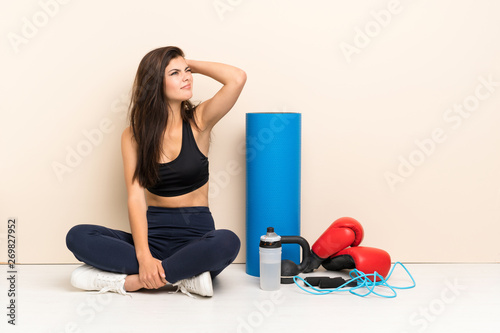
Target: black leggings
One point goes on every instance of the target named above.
(184, 239)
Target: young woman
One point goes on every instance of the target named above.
(173, 239)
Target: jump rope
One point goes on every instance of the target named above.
(363, 281)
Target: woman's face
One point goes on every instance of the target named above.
(178, 81)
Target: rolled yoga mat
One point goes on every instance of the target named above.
(273, 182)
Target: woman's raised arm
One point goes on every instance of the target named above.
(233, 79)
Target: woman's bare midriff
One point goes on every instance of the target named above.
(198, 197)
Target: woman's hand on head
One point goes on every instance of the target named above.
(233, 80)
(193, 70)
(151, 273)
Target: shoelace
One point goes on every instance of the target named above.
(110, 283)
(183, 290)
(183, 285)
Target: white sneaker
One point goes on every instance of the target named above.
(90, 278)
(200, 284)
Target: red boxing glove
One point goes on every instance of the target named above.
(342, 233)
(365, 259)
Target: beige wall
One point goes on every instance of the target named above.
(384, 87)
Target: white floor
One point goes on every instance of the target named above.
(447, 298)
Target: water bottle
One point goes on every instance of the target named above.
(270, 260)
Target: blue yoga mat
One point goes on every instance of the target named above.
(273, 182)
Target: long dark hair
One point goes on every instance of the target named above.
(149, 110)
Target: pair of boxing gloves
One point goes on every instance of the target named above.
(337, 248)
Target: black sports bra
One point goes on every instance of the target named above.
(186, 173)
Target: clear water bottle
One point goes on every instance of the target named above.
(270, 260)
